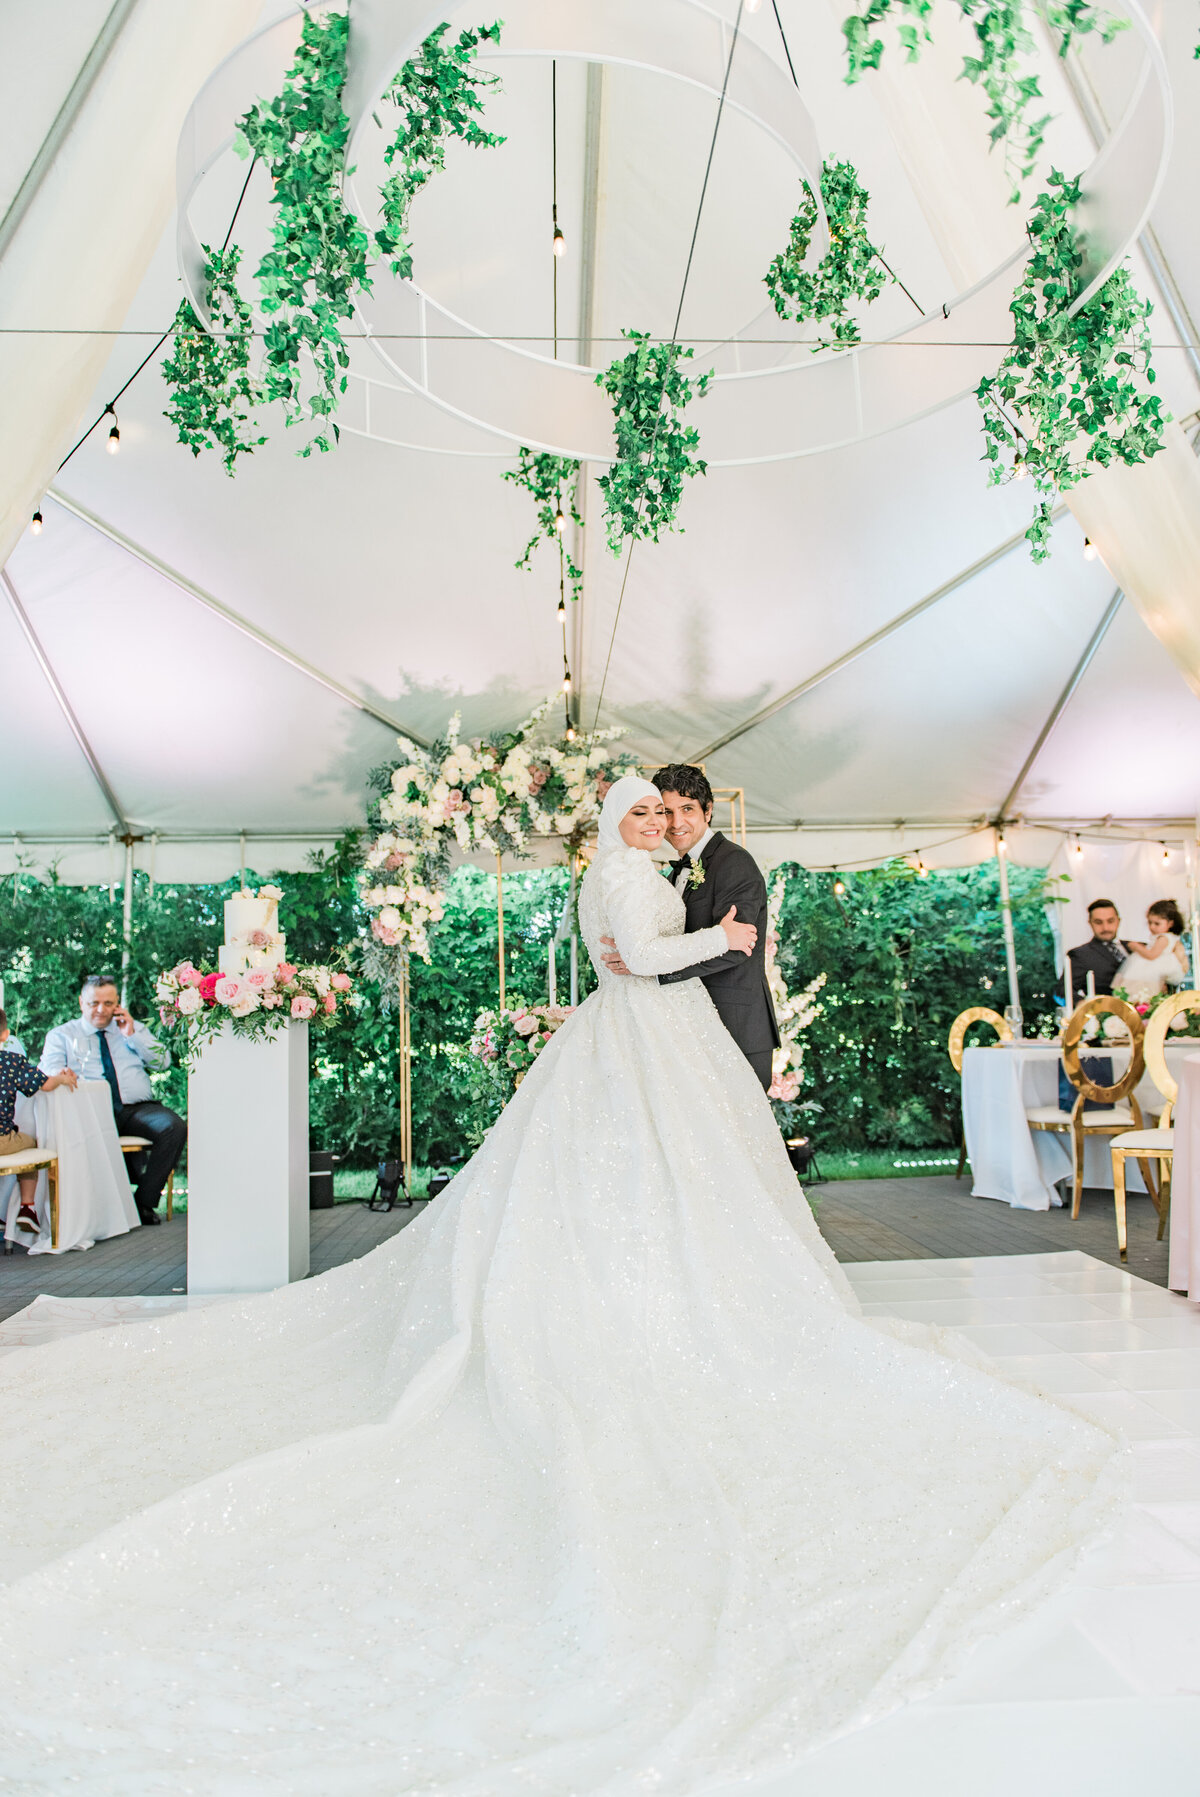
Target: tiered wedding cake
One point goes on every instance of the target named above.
(252, 935)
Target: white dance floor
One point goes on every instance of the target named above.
(1099, 1693)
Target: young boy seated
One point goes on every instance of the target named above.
(18, 1075)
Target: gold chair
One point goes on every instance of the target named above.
(134, 1145)
(1145, 1145)
(958, 1029)
(32, 1160)
(1121, 1112)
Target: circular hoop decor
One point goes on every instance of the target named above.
(506, 393)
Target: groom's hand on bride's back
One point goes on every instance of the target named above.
(612, 960)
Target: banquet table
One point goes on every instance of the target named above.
(1020, 1166)
(94, 1196)
(1183, 1270)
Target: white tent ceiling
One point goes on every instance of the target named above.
(382, 577)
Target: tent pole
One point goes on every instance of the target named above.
(1010, 941)
(500, 923)
(574, 937)
(404, 1035)
(1194, 897)
(127, 920)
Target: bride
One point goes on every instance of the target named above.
(592, 1480)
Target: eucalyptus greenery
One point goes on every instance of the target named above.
(1066, 397)
(551, 482)
(1004, 38)
(851, 268)
(213, 391)
(310, 278)
(656, 452)
(439, 94)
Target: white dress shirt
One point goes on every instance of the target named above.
(693, 855)
(74, 1045)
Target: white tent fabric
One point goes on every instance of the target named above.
(856, 638)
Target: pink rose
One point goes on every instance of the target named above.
(525, 1026)
(271, 1001)
(340, 982)
(538, 777)
(303, 1006)
(454, 801)
(258, 939)
(285, 973)
(187, 974)
(330, 1003)
(258, 977)
(227, 991)
(208, 987)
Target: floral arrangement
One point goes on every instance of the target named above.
(508, 1042)
(1145, 1006)
(195, 1002)
(493, 793)
(793, 1014)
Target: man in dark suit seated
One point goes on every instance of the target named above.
(1101, 956)
(711, 874)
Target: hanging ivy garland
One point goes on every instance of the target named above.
(851, 269)
(318, 265)
(309, 280)
(213, 391)
(656, 452)
(439, 95)
(1004, 39)
(551, 482)
(1066, 397)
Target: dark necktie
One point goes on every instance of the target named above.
(677, 867)
(110, 1072)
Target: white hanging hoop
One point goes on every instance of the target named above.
(514, 394)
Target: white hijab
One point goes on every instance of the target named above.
(620, 799)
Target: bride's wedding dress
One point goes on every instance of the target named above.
(592, 1480)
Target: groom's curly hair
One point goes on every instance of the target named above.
(686, 780)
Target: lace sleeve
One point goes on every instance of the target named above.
(635, 928)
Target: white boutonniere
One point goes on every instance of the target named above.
(696, 875)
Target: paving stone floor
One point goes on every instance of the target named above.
(863, 1220)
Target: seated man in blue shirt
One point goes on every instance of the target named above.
(108, 1044)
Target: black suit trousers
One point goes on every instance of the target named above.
(166, 1132)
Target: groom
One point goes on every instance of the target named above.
(710, 874)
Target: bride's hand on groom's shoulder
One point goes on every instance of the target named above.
(612, 960)
(741, 936)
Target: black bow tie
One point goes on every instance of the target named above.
(677, 867)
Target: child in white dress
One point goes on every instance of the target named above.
(1153, 966)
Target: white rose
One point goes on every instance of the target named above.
(270, 892)
(189, 1002)
(245, 1005)
(389, 918)
(165, 990)
(320, 979)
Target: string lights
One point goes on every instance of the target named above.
(1090, 551)
(839, 887)
(35, 523)
(114, 435)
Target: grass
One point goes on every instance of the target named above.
(885, 1163)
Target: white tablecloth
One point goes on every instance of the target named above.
(94, 1195)
(1020, 1166)
(1183, 1274)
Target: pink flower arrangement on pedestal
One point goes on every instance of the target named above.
(195, 1003)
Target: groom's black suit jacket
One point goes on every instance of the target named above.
(737, 983)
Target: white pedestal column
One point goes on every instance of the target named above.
(248, 1163)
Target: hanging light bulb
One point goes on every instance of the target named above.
(566, 685)
(560, 522)
(922, 870)
(753, 5)
(35, 523)
(1090, 551)
(562, 608)
(1078, 847)
(1166, 855)
(570, 733)
(114, 435)
(560, 242)
(1020, 471)
(839, 886)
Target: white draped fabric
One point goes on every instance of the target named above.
(95, 1200)
(592, 1479)
(1183, 1274)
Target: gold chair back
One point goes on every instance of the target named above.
(1156, 1041)
(1105, 1005)
(963, 1022)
